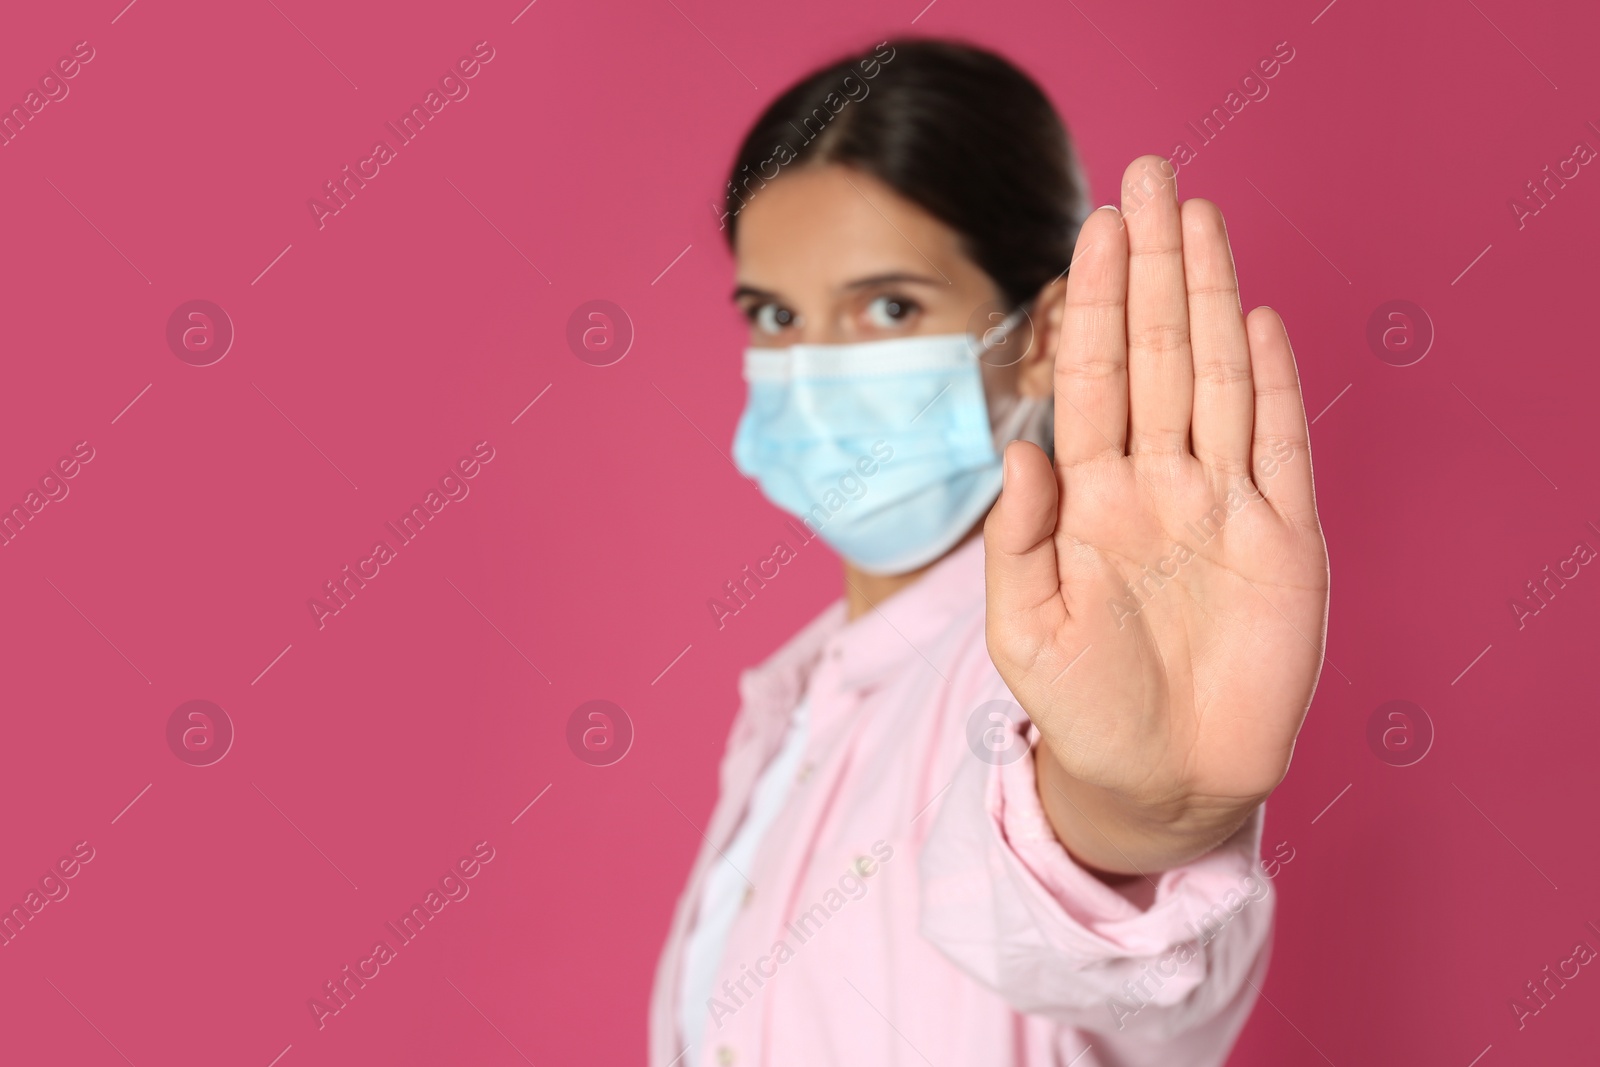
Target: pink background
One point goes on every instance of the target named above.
(426, 716)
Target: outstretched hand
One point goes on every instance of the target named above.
(1157, 597)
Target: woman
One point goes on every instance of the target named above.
(1001, 804)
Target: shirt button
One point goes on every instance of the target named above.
(724, 1055)
(749, 895)
(805, 772)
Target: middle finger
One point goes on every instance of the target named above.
(1160, 363)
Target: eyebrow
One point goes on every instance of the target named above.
(860, 283)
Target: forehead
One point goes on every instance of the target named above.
(820, 227)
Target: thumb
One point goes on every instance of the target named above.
(1019, 536)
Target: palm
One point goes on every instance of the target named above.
(1157, 601)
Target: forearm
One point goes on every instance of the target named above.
(1116, 838)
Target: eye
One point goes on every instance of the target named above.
(888, 312)
(771, 318)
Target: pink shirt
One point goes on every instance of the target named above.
(911, 903)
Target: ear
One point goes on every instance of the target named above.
(1036, 372)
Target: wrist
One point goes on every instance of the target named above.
(1116, 836)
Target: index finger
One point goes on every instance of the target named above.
(1091, 373)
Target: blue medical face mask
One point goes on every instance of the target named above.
(886, 448)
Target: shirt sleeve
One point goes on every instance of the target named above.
(1169, 983)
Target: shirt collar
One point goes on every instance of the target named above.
(903, 630)
(900, 630)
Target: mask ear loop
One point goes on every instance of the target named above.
(995, 336)
(1026, 418)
